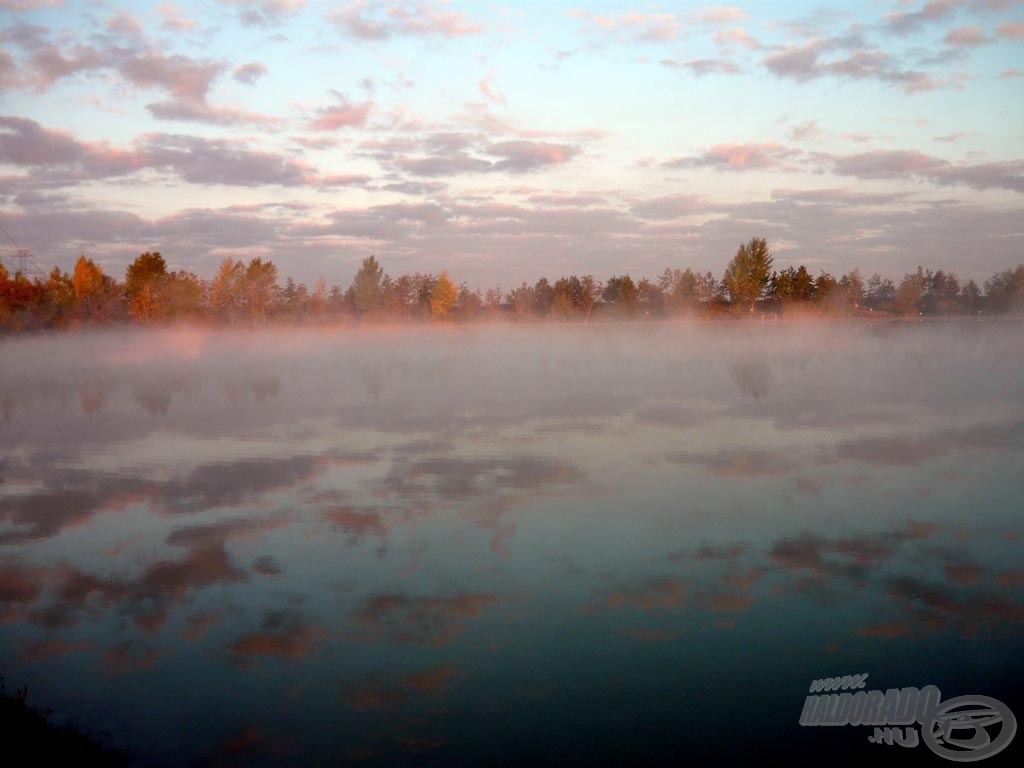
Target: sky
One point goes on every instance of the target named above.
(506, 142)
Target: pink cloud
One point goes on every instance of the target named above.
(521, 156)
(125, 24)
(905, 22)
(968, 36)
(433, 620)
(173, 19)
(720, 14)
(249, 73)
(204, 112)
(802, 63)
(702, 67)
(888, 630)
(658, 594)
(670, 207)
(490, 90)
(25, 142)
(805, 131)
(264, 13)
(344, 114)
(185, 78)
(27, 5)
(797, 62)
(738, 157)
(371, 21)
(736, 36)
(1011, 30)
(8, 71)
(649, 27)
(50, 64)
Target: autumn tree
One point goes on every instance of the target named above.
(566, 292)
(366, 286)
(443, 297)
(621, 293)
(143, 283)
(1006, 290)
(469, 304)
(260, 281)
(879, 292)
(909, 292)
(590, 289)
(746, 276)
(59, 295)
(227, 290)
(87, 282)
(543, 297)
(521, 301)
(318, 299)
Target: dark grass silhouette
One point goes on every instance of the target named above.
(27, 730)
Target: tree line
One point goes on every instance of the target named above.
(249, 293)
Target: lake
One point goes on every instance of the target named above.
(547, 544)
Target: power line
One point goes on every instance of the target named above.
(26, 262)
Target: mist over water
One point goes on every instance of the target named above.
(473, 545)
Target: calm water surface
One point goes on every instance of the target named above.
(470, 546)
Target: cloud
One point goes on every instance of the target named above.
(719, 14)
(124, 49)
(670, 206)
(454, 153)
(645, 27)
(656, 594)
(802, 63)
(807, 130)
(378, 693)
(249, 73)
(25, 142)
(905, 22)
(525, 156)
(8, 71)
(265, 13)
(380, 21)
(222, 161)
(173, 20)
(731, 602)
(20, 586)
(737, 462)
(888, 629)
(149, 597)
(1011, 30)
(420, 620)
(737, 157)
(444, 165)
(736, 36)
(490, 90)
(893, 164)
(202, 112)
(183, 77)
(344, 114)
(282, 634)
(969, 36)
(797, 62)
(711, 552)
(357, 524)
(702, 67)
